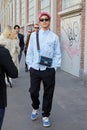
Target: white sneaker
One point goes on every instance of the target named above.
(34, 114)
(8, 83)
(10, 79)
(46, 121)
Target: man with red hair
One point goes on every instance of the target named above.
(42, 62)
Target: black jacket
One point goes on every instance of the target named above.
(6, 66)
(21, 41)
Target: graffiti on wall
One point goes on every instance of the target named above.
(70, 37)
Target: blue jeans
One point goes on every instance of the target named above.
(2, 112)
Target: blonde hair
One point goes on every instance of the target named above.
(13, 35)
(7, 31)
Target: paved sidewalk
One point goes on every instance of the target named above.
(69, 111)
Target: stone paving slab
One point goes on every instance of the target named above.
(69, 111)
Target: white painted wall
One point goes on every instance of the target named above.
(45, 5)
(31, 11)
(11, 13)
(14, 12)
(85, 50)
(68, 3)
(35, 11)
(22, 12)
(70, 43)
(18, 13)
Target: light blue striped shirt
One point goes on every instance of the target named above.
(49, 47)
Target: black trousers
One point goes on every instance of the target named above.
(48, 78)
(25, 52)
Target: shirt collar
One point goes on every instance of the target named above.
(44, 31)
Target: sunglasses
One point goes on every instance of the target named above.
(42, 20)
(36, 27)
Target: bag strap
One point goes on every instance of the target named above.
(37, 40)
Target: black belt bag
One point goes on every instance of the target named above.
(45, 61)
(42, 59)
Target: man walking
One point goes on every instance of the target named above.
(42, 62)
(21, 40)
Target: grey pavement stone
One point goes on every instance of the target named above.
(69, 111)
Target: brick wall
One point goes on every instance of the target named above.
(39, 5)
(82, 34)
